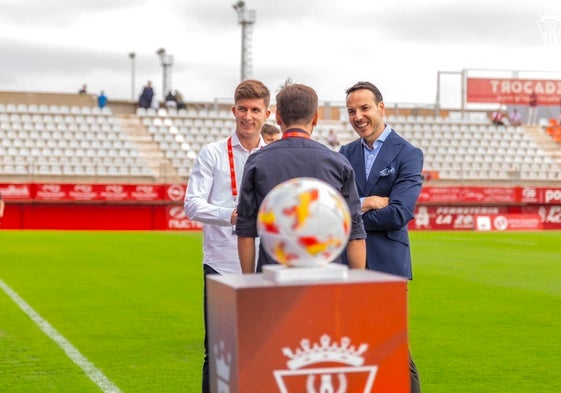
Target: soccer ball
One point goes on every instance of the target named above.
(304, 222)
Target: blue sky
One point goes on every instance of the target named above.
(57, 45)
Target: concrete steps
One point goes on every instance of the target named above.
(148, 148)
(544, 142)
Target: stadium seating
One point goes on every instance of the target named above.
(84, 142)
(54, 141)
(181, 134)
(474, 149)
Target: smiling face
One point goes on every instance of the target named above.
(250, 114)
(366, 115)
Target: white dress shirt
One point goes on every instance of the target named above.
(209, 200)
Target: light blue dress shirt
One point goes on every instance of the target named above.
(370, 154)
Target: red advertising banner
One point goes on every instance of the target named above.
(513, 91)
(541, 195)
(451, 217)
(55, 192)
(464, 195)
(445, 218)
(174, 192)
(508, 222)
(176, 219)
(550, 215)
(16, 192)
(97, 193)
(96, 216)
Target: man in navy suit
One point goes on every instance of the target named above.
(388, 175)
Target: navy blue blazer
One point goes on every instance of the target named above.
(396, 174)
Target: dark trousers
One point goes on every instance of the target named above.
(206, 380)
(414, 376)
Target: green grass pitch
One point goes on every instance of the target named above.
(485, 310)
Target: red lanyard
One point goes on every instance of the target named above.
(232, 169)
(296, 134)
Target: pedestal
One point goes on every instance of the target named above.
(342, 335)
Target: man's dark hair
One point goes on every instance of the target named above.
(367, 86)
(270, 129)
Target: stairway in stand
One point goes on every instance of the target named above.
(544, 141)
(161, 167)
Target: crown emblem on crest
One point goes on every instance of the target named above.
(223, 361)
(325, 351)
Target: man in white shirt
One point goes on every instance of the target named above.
(212, 191)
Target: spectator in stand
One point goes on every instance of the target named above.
(179, 100)
(212, 192)
(102, 100)
(145, 99)
(333, 139)
(270, 133)
(83, 89)
(170, 101)
(532, 108)
(515, 118)
(498, 118)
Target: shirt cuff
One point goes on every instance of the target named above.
(225, 214)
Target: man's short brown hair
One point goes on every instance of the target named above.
(250, 89)
(297, 103)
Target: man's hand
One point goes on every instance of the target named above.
(234, 217)
(374, 202)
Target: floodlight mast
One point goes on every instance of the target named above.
(167, 62)
(132, 55)
(246, 18)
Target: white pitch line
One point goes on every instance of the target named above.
(80, 360)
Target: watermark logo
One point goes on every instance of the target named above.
(550, 29)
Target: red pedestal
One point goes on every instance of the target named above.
(345, 335)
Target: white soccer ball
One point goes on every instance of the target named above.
(304, 222)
